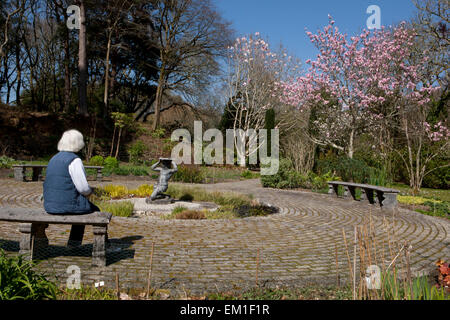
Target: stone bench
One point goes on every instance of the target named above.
(20, 171)
(33, 223)
(385, 197)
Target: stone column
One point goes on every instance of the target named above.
(363, 195)
(389, 200)
(346, 192)
(33, 239)
(25, 240)
(330, 189)
(99, 247)
(19, 173)
(99, 175)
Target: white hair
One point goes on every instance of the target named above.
(71, 141)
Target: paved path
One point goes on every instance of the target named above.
(296, 246)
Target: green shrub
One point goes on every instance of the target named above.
(18, 280)
(139, 171)
(159, 133)
(285, 178)
(96, 161)
(111, 163)
(121, 171)
(288, 178)
(437, 209)
(6, 162)
(247, 174)
(378, 177)
(319, 183)
(351, 170)
(438, 178)
(130, 170)
(188, 174)
(136, 151)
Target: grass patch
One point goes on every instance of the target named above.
(436, 208)
(112, 191)
(118, 209)
(199, 194)
(86, 293)
(412, 200)
(190, 215)
(436, 194)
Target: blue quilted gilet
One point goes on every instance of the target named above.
(60, 194)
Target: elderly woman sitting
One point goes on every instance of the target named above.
(66, 188)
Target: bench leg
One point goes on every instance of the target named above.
(99, 175)
(37, 174)
(19, 174)
(352, 192)
(33, 238)
(336, 189)
(99, 247)
(369, 195)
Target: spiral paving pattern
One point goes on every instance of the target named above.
(303, 243)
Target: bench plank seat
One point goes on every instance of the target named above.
(362, 186)
(20, 169)
(33, 223)
(386, 197)
(40, 216)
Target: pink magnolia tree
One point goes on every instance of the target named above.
(366, 83)
(254, 71)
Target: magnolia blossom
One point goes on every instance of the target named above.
(359, 73)
(437, 132)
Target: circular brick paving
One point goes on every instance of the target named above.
(296, 246)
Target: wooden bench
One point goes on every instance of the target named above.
(20, 171)
(385, 197)
(33, 223)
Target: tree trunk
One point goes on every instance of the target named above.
(118, 143)
(158, 99)
(112, 77)
(82, 63)
(106, 94)
(350, 144)
(112, 143)
(19, 75)
(67, 87)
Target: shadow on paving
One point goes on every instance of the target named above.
(84, 250)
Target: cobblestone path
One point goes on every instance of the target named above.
(296, 246)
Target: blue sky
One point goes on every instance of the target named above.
(286, 20)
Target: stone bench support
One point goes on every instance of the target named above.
(33, 223)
